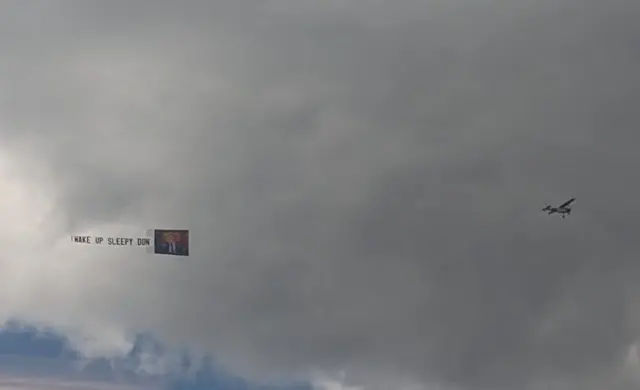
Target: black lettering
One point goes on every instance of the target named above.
(144, 242)
(110, 241)
(123, 241)
(82, 239)
(99, 240)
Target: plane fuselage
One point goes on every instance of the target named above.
(563, 210)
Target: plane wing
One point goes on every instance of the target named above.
(567, 203)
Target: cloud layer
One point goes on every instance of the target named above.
(362, 181)
(36, 358)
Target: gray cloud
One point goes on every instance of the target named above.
(363, 182)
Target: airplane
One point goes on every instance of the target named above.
(563, 209)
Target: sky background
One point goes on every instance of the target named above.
(362, 180)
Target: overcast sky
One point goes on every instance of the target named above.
(362, 179)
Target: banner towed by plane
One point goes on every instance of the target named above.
(173, 242)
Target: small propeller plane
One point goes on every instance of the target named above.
(563, 209)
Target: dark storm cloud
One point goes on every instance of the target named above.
(363, 180)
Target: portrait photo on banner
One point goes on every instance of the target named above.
(172, 242)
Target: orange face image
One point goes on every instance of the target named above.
(170, 237)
